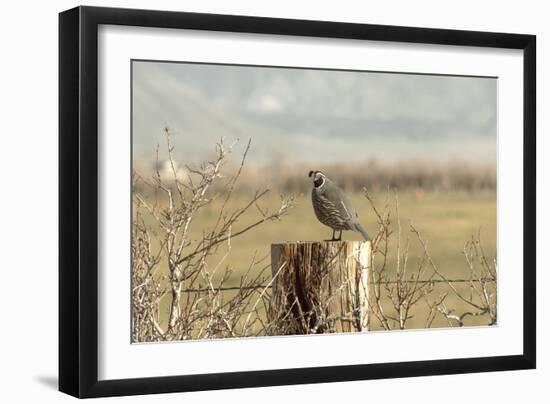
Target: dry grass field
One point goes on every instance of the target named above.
(446, 220)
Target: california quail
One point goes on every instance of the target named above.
(332, 207)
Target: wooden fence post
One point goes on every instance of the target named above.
(320, 286)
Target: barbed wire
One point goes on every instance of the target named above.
(387, 282)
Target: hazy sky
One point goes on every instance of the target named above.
(313, 115)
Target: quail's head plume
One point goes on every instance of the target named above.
(332, 206)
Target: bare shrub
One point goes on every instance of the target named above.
(394, 295)
(481, 297)
(408, 287)
(206, 311)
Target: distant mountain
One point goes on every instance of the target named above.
(297, 114)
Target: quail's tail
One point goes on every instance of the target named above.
(361, 230)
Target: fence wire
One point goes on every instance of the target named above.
(387, 282)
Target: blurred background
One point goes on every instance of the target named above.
(431, 139)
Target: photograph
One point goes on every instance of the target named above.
(295, 199)
(274, 201)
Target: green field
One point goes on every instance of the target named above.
(445, 220)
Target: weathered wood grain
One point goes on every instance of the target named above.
(320, 286)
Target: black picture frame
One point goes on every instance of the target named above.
(78, 200)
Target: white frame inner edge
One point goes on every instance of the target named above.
(118, 359)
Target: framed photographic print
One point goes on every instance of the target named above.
(249, 201)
